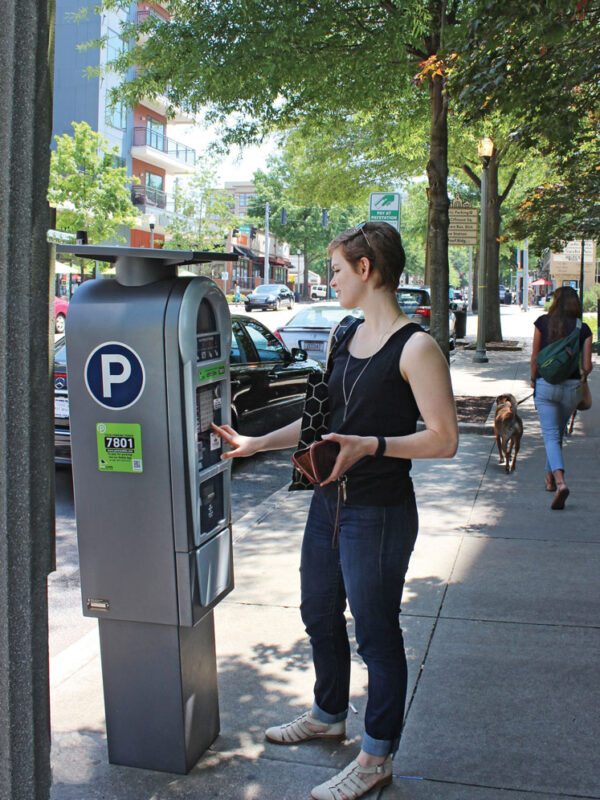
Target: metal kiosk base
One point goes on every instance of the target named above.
(160, 693)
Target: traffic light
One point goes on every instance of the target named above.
(235, 231)
(253, 231)
(283, 216)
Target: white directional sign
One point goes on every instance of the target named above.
(464, 224)
(385, 207)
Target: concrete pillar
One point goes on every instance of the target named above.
(26, 419)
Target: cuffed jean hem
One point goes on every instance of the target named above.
(323, 716)
(379, 747)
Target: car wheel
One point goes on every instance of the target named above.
(59, 323)
(246, 309)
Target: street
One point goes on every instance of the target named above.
(253, 481)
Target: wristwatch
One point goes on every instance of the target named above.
(380, 447)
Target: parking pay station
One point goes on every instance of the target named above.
(148, 372)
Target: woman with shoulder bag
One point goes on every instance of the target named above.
(362, 523)
(556, 402)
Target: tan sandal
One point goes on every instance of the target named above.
(562, 492)
(354, 781)
(303, 729)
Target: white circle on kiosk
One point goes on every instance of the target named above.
(114, 375)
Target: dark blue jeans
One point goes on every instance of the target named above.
(367, 566)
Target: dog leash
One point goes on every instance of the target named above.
(525, 398)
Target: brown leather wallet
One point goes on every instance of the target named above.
(317, 461)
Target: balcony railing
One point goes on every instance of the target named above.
(148, 196)
(144, 13)
(158, 141)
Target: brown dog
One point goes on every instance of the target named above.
(508, 428)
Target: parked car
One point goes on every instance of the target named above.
(268, 383)
(269, 295)
(309, 329)
(415, 301)
(318, 291)
(61, 307)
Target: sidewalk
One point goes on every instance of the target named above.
(501, 622)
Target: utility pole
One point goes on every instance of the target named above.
(526, 276)
(267, 275)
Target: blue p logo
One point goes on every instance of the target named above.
(114, 375)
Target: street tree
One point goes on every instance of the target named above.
(88, 189)
(203, 215)
(357, 57)
(537, 64)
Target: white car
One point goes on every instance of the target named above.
(309, 329)
(318, 291)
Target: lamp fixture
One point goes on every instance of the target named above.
(485, 148)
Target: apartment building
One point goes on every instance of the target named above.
(147, 142)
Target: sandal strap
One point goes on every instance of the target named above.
(349, 784)
(299, 729)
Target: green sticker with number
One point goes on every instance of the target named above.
(119, 447)
(211, 373)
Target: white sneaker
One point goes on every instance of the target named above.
(354, 781)
(304, 728)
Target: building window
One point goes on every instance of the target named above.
(155, 136)
(114, 45)
(116, 116)
(119, 161)
(154, 180)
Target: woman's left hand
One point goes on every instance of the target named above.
(352, 449)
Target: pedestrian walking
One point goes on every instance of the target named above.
(555, 402)
(237, 295)
(362, 523)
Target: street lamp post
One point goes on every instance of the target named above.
(151, 224)
(485, 148)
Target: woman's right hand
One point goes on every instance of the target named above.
(243, 446)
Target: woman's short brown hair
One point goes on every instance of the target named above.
(378, 242)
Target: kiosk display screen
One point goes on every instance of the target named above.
(208, 410)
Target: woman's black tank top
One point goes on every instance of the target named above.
(381, 404)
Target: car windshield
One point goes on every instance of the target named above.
(267, 289)
(412, 298)
(321, 316)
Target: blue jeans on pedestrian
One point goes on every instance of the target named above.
(555, 403)
(367, 565)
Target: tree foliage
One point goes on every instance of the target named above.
(356, 58)
(537, 64)
(203, 215)
(303, 230)
(88, 191)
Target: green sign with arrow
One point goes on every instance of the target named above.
(385, 207)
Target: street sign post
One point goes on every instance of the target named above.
(385, 207)
(464, 224)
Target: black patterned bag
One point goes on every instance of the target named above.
(315, 416)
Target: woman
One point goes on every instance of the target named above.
(556, 402)
(385, 372)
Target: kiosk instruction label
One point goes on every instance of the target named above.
(119, 446)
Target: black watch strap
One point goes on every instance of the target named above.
(380, 447)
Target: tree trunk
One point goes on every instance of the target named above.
(493, 329)
(437, 172)
(26, 391)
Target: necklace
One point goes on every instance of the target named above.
(348, 397)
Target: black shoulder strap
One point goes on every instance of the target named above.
(342, 332)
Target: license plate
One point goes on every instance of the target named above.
(61, 407)
(316, 346)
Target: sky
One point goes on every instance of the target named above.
(239, 165)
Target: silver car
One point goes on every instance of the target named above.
(309, 329)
